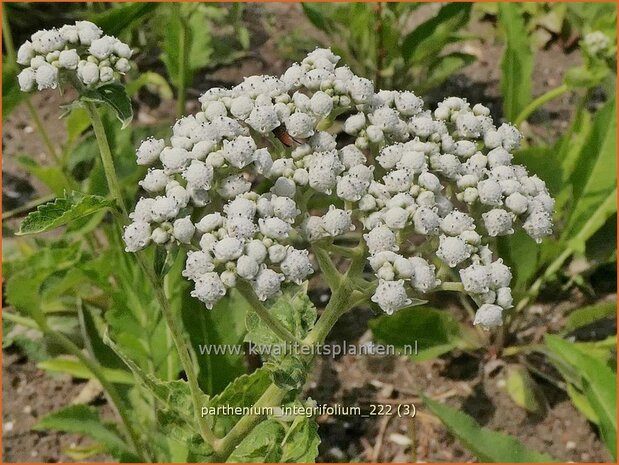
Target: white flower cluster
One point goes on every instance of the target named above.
(598, 44)
(442, 181)
(81, 49)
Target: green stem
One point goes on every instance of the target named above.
(275, 325)
(451, 286)
(177, 335)
(539, 101)
(96, 369)
(332, 275)
(106, 155)
(183, 352)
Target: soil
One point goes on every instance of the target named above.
(463, 381)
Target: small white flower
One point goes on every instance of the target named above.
(247, 267)
(103, 47)
(164, 208)
(267, 283)
(456, 222)
(183, 230)
(197, 264)
(149, 151)
(46, 77)
(391, 296)
(490, 192)
(296, 266)
(489, 316)
(538, 225)
(300, 125)
(396, 218)
(209, 289)
(233, 186)
(380, 239)
(240, 227)
(25, 53)
(137, 236)
(229, 248)
(68, 59)
(498, 222)
(336, 221)
(426, 221)
(476, 278)
(274, 228)
(500, 273)
(256, 250)
(26, 79)
(504, 297)
(453, 250)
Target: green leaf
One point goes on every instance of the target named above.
(581, 403)
(597, 381)
(62, 211)
(301, 442)
(524, 390)
(433, 332)
(115, 97)
(318, 15)
(261, 445)
(485, 444)
(290, 372)
(587, 315)
(209, 330)
(120, 16)
(82, 419)
(517, 61)
(293, 309)
(77, 369)
(432, 35)
(594, 180)
(244, 391)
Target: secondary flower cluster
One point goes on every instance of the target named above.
(80, 49)
(429, 189)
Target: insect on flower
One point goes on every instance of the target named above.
(285, 138)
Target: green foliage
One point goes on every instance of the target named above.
(377, 42)
(82, 419)
(486, 445)
(517, 61)
(62, 211)
(523, 389)
(115, 96)
(12, 96)
(433, 332)
(262, 445)
(594, 379)
(590, 314)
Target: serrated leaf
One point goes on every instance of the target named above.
(517, 61)
(62, 211)
(261, 445)
(293, 309)
(82, 419)
(301, 442)
(433, 332)
(487, 445)
(244, 391)
(523, 389)
(115, 97)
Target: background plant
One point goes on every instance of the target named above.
(62, 299)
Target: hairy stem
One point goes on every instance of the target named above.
(176, 332)
(106, 156)
(539, 101)
(274, 324)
